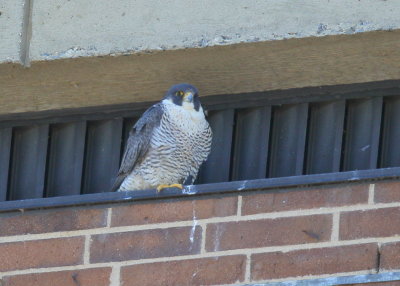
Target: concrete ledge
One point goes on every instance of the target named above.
(11, 23)
(66, 29)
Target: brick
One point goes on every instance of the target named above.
(390, 256)
(204, 271)
(41, 253)
(268, 232)
(388, 192)
(86, 277)
(145, 244)
(318, 261)
(305, 199)
(159, 212)
(386, 283)
(52, 221)
(369, 223)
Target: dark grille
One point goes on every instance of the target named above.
(80, 156)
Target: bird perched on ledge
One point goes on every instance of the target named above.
(168, 143)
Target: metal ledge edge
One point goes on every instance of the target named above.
(205, 189)
(343, 280)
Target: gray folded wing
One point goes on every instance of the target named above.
(138, 142)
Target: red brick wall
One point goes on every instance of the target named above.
(258, 236)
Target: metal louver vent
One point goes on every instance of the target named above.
(82, 155)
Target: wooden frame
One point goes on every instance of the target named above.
(233, 69)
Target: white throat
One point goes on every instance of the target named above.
(185, 116)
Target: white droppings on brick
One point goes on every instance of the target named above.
(193, 230)
(115, 277)
(195, 223)
(195, 273)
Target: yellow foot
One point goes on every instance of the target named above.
(161, 187)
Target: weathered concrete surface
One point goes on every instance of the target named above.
(11, 19)
(71, 28)
(67, 28)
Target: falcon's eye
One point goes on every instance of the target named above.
(180, 93)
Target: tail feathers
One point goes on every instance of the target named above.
(118, 182)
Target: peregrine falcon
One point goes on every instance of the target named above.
(168, 143)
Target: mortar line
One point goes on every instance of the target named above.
(165, 225)
(109, 214)
(86, 253)
(239, 206)
(242, 251)
(247, 277)
(115, 277)
(203, 238)
(371, 194)
(26, 34)
(335, 226)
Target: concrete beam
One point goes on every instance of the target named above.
(64, 28)
(11, 23)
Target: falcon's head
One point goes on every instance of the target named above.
(184, 95)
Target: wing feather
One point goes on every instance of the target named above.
(138, 142)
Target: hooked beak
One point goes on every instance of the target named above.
(188, 97)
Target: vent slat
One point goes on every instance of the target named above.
(362, 134)
(67, 147)
(325, 137)
(390, 154)
(288, 140)
(29, 162)
(128, 125)
(251, 143)
(5, 148)
(102, 155)
(216, 168)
